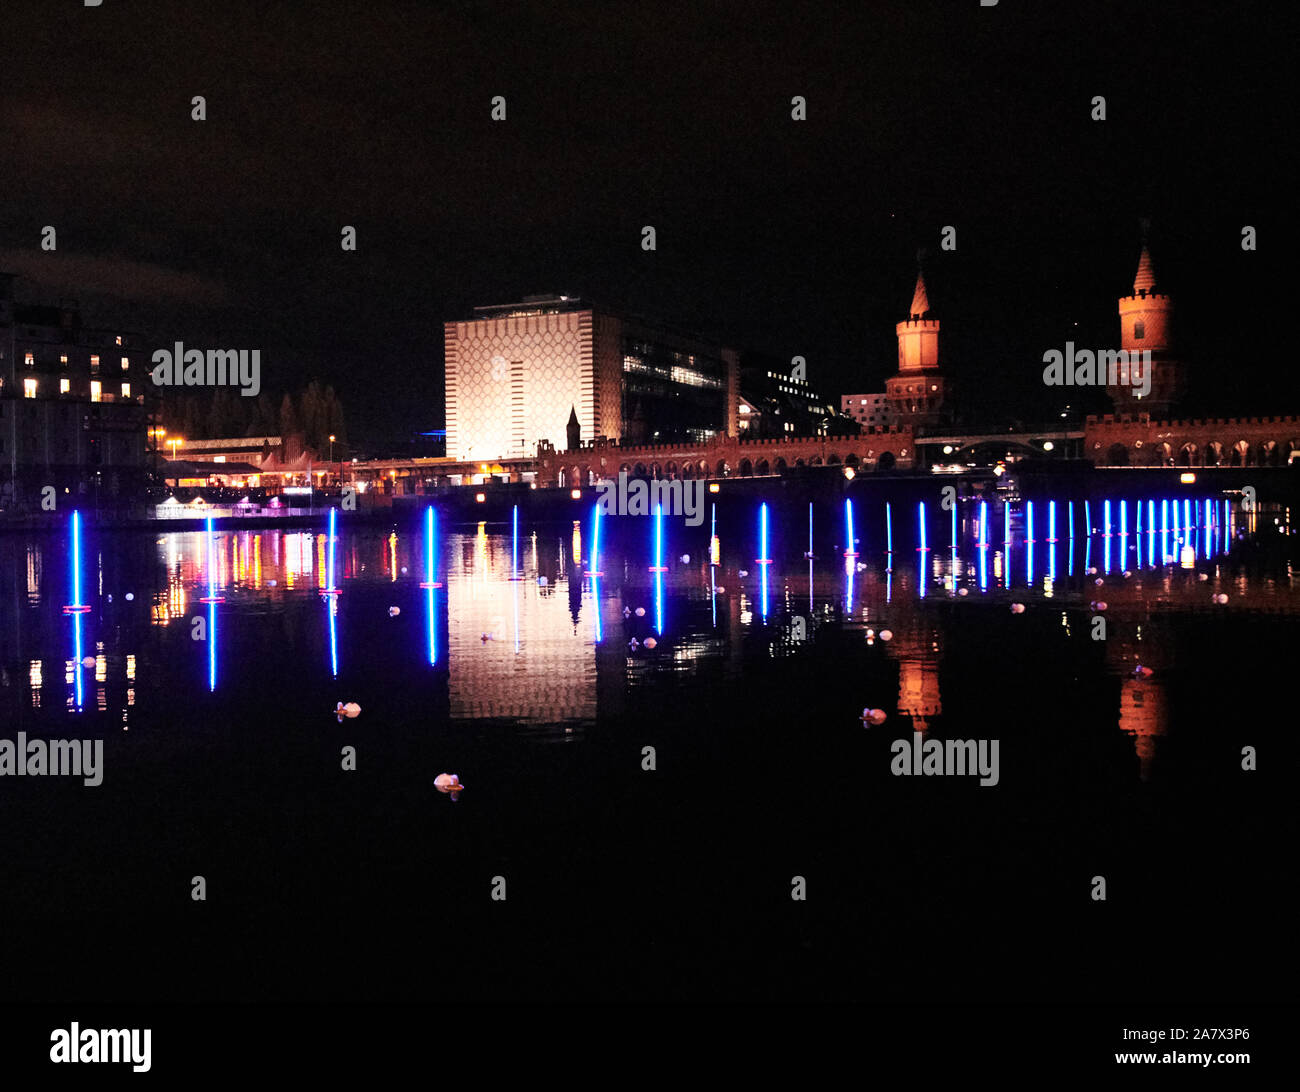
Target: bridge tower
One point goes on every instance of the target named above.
(916, 394)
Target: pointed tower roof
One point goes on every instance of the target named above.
(573, 414)
(1145, 280)
(920, 301)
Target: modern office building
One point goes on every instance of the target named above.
(72, 406)
(776, 401)
(516, 373)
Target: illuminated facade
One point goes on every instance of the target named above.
(516, 373)
(72, 412)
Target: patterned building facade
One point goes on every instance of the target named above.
(516, 372)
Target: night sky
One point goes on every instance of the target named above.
(773, 235)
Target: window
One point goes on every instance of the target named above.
(29, 388)
(30, 360)
(1139, 330)
(96, 389)
(119, 339)
(126, 390)
(63, 359)
(126, 363)
(94, 363)
(65, 385)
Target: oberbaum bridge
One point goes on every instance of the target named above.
(1138, 435)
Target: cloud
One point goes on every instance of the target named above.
(122, 278)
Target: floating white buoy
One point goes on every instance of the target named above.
(403, 570)
(393, 612)
(542, 581)
(874, 716)
(1221, 598)
(110, 597)
(1091, 569)
(720, 590)
(1099, 604)
(1202, 576)
(1017, 608)
(962, 591)
(130, 597)
(633, 645)
(1099, 582)
(640, 612)
(686, 559)
(743, 572)
(650, 642)
(1127, 574)
(870, 633)
(886, 635)
(352, 710)
(89, 661)
(861, 567)
(448, 782)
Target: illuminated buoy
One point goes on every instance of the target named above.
(1127, 573)
(1221, 598)
(962, 591)
(1091, 570)
(88, 661)
(640, 612)
(403, 570)
(633, 645)
(448, 782)
(874, 716)
(627, 612)
(110, 597)
(1098, 604)
(542, 581)
(686, 559)
(870, 633)
(743, 572)
(861, 567)
(720, 590)
(130, 597)
(393, 612)
(1203, 576)
(886, 635)
(1099, 582)
(650, 642)
(1017, 608)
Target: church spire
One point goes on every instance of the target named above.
(1145, 281)
(920, 301)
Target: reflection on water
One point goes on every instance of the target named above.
(521, 627)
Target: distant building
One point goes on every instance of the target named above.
(515, 373)
(868, 410)
(775, 403)
(72, 411)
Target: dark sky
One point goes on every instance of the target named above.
(783, 237)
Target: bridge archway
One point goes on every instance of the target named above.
(746, 468)
(1117, 455)
(886, 461)
(762, 469)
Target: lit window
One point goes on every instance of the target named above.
(119, 339)
(864, 401)
(94, 362)
(30, 360)
(95, 389)
(29, 388)
(126, 390)
(63, 360)
(65, 385)
(126, 363)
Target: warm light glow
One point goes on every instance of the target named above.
(1048, 445)
(576, 494)
(849, 472)
(1187, 479)
(714, 487)
(480, 497)
(29, 388)
(96, 390)
(65, 385)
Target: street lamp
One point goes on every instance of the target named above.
(332, 452)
